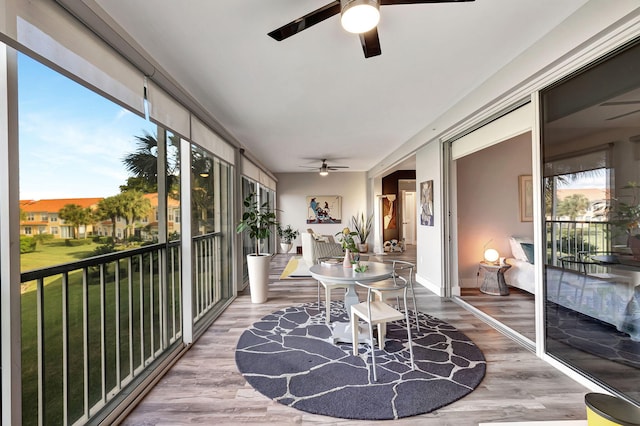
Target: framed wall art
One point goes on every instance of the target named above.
(525, 195)
(324, 209)
(426, 203)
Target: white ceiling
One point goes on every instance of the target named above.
(314, 95)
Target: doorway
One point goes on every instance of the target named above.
(408, 216)
(487, 169)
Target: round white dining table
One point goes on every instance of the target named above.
(336, 273)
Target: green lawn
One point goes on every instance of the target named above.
(58, 253)
(55, 252)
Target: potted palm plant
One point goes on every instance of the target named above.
(363, 229)
(287, 235)
(258, 221)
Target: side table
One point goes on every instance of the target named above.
(493, 281)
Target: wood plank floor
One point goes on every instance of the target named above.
(205, 387)
(516, 311)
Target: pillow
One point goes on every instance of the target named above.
(313, 234)
(516, 249)
(528, 251)
(318, 237)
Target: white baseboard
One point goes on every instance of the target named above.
(439, 291)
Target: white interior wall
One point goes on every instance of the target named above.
(293, 189)
(429, 253)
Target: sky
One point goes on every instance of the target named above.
(72, 140)
(588, 180)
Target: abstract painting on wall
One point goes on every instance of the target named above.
(389, 211)
(324, 209)
(426, 203)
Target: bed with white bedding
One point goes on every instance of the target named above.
(521, 273)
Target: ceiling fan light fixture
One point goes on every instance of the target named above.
(324, 170)
(359, 16)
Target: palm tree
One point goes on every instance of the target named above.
(143, 163)
(76, 216)
(573, 206)
(133, 206)
(109, 209)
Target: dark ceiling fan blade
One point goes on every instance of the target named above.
(306, 21)
(388, 2)
(370, 43)
(337, 167)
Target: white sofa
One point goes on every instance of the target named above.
(315, 246)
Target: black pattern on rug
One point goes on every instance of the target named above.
(289, 357)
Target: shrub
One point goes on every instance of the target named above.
(572, 242)
(101, 239)
(103, 249)
(43, 238)
(77, 243)
(27, 244)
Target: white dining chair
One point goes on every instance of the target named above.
(378, 313)
(328, 286)
(404, 269)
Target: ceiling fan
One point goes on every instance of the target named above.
(324, 169)
(357, 16)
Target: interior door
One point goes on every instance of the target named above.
(409, 217)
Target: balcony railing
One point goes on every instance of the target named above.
(92, 328)
(208, 274)
(570, 238)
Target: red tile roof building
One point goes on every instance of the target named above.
(41, 217)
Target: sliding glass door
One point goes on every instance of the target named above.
(591, 176)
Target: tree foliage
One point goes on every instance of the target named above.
(109, 209)
(130, 205)
(133, 206)
(573, 206)
(76, 215)
(143, 164)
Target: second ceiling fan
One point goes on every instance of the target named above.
(357, 16)
(325, 168)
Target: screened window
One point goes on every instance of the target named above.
(103, 170)
(212, 230)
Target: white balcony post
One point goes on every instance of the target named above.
(11, 389)
(185, 241)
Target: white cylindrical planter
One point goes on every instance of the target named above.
(285, 247)
(258, 276)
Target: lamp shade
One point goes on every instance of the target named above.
(491, 255)
(359, 16)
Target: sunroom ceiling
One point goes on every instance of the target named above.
(314, 95)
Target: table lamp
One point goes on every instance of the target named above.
(491, 256)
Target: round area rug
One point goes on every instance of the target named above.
(289, 357)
